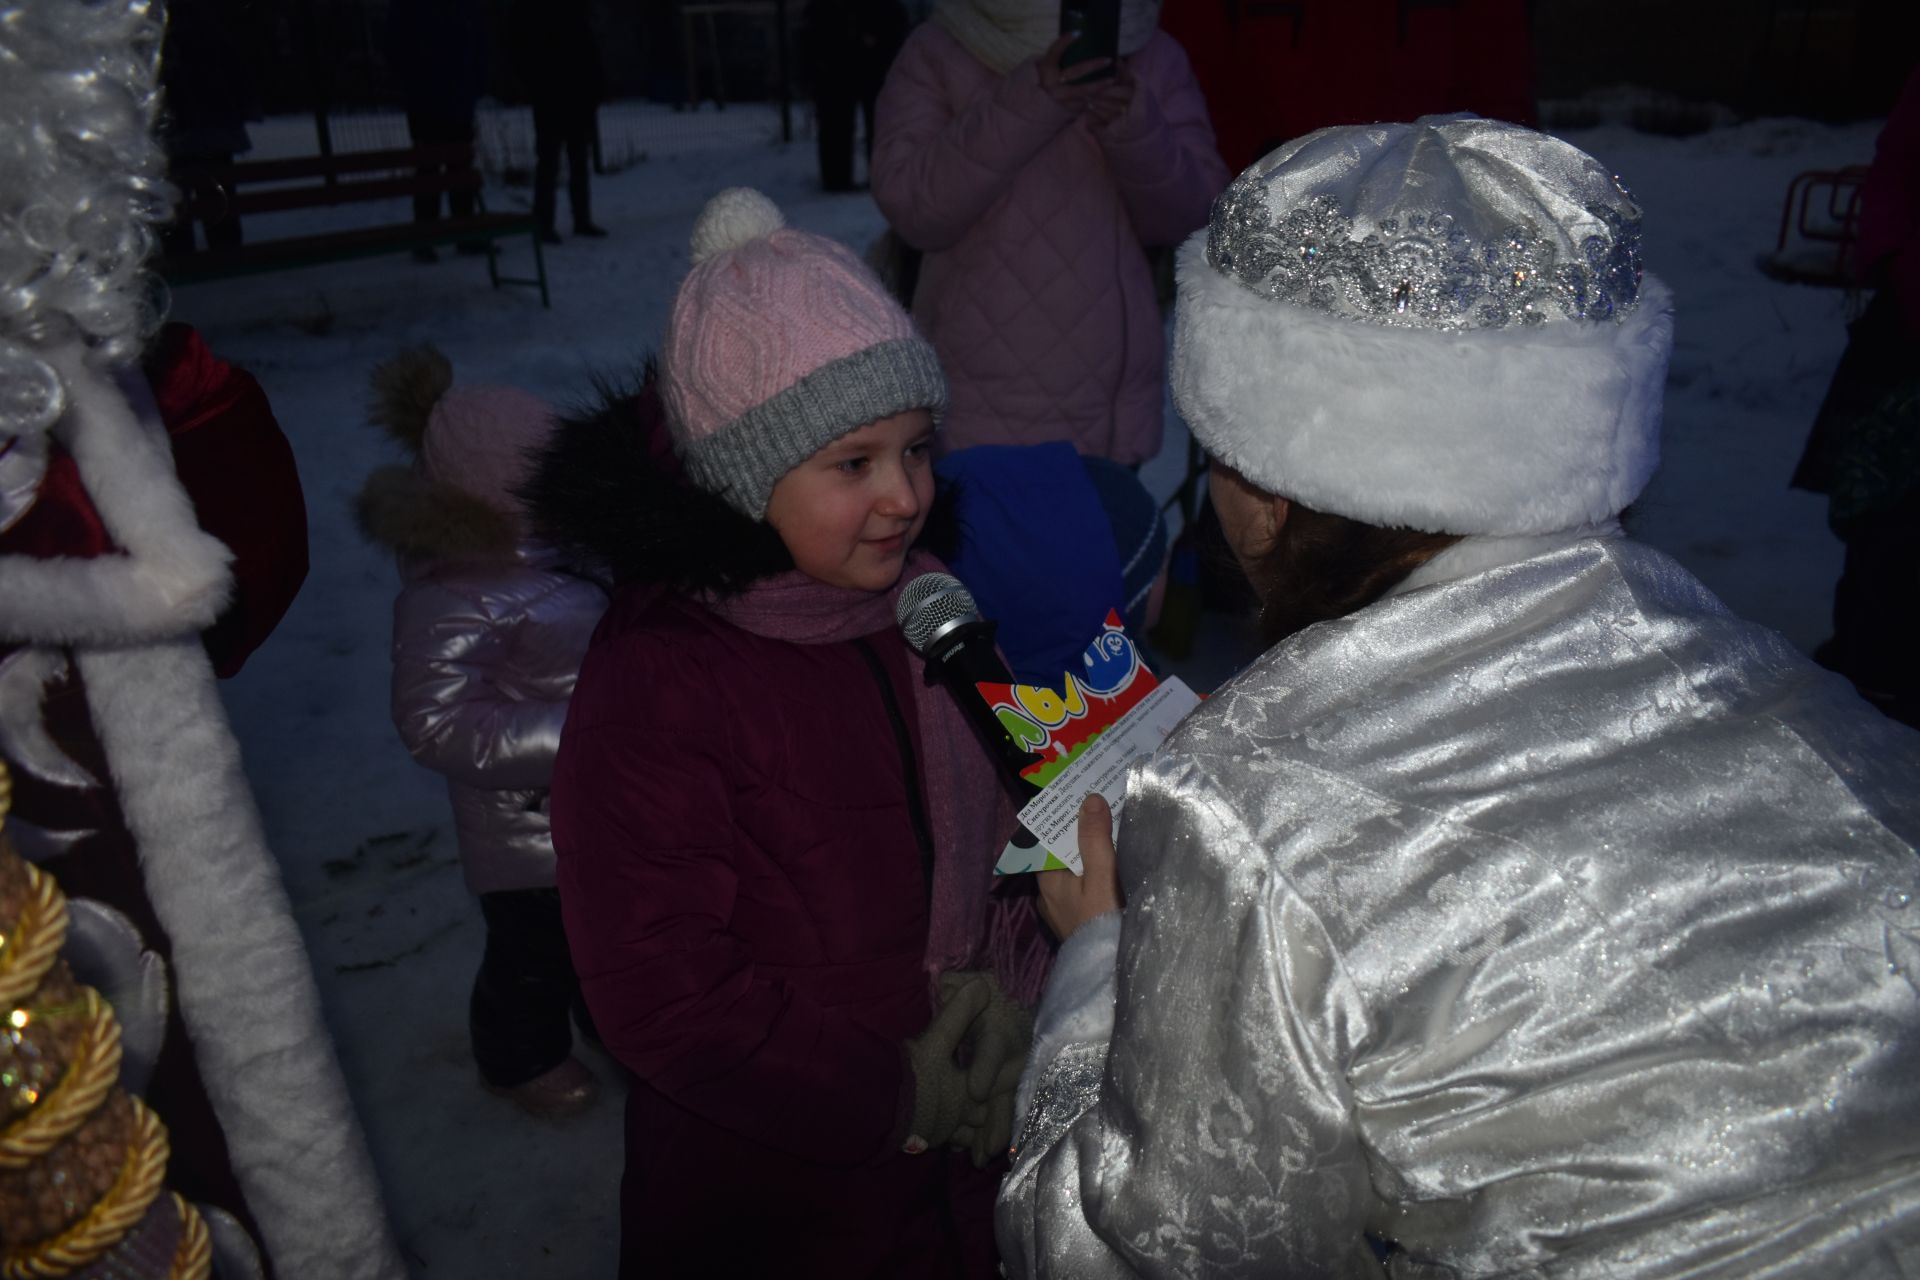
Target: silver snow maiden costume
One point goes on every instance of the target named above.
(1541, 919)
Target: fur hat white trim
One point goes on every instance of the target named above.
(1485, 431)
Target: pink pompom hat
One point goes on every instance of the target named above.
(481, 440)
(781, 342)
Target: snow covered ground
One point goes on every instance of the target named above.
(474, 1188)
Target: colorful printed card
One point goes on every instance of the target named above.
(1086, 734)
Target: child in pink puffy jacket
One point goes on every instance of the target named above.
(1033, 199)
(488, 633)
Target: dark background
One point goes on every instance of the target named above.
(1828, 59)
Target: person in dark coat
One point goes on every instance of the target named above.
(1862, 449)
(558, 65)
(209, 99)
(775, 839)
(848, 46)
(438, 51)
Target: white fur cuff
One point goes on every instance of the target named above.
(1491, 431)
(171, 579)
(1077, 1006)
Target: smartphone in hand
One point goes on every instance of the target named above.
(1095, 26)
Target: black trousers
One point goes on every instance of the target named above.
(433, 130)
(1876, 613)
(176, 241)
(556, 126)
(834, 118)
(525, 990)
(1876, 603)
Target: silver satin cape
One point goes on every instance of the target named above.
(1541, 920)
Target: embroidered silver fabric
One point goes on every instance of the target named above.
(1449, 223)
(1071, 1083)
(1543, 922)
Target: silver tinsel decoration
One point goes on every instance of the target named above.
(1475, 262)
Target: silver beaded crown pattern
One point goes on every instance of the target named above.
(1450, 223)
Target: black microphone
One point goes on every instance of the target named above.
(942, 622)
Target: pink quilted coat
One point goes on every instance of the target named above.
(1034, 287)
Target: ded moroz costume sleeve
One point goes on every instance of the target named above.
(1215, 1138)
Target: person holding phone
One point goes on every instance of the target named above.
(1033, 178)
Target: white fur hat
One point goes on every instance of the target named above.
(1440, 325)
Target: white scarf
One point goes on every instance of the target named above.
(1002, 34)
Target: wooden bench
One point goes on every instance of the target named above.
(212, 193)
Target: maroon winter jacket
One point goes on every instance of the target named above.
(1890, 207)
(747, 909)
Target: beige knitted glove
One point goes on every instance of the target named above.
(941, 1099)
(997, 1044)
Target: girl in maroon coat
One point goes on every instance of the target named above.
(775, 840)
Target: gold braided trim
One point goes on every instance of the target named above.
(36, 939)
(89, 1078)
(193, 1260)
(108, 1222)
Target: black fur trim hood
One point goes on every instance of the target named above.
(610, 497)
(608, 494)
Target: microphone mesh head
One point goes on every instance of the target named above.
(930, 604)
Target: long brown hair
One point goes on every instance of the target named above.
(1325, 566)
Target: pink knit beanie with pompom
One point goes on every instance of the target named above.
(481, 440)
(781, 342)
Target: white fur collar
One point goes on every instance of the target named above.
(1503, 431)
(243, 980)
(172, 580)
(1476, 555)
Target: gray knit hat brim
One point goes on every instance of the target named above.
(743, 460)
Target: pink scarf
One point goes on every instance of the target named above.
(972, 927)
